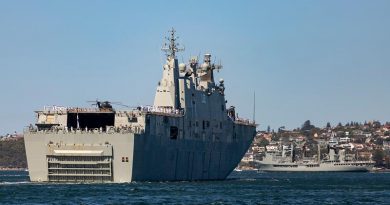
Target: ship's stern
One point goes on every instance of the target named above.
(79, 157)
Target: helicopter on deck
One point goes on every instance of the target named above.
(106, 105)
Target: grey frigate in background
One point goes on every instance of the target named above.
(336, 160)
(188, 133)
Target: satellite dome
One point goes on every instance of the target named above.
(182, 67)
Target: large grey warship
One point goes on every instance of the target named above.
(188, 134)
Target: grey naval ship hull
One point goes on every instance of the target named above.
(188, 133)
(126, 157)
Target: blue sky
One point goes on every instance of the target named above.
(317, 60)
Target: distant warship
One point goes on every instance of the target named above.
(188, 134)
(335, 161)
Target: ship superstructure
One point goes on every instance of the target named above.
(188, 133)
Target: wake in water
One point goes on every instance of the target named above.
(13, 175)
(14, 183)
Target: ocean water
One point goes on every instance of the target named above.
(246, 187)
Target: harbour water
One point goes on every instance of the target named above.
(246, 187)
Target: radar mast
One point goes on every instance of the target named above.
(171, 47)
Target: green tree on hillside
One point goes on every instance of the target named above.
(378, 156)
(307, 126)
(263, 142)
(12, 154)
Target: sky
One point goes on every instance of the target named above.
(323, 61)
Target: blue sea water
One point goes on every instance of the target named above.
(247, 187)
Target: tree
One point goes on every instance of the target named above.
(12, 154)
(263, 142)
(387, 161)
(307, 126)
(376, 124)
(378, 141)
(275, 137)
(378, 156)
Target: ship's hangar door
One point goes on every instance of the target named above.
(90, 120)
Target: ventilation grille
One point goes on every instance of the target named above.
(79, 168)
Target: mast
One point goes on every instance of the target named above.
(171, 47)
(254, 106)
(170, 79)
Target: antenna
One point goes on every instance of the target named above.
(161, 60)
(171, 47)
(254, 106)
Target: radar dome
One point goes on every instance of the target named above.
(221, 80)
(182, 67)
